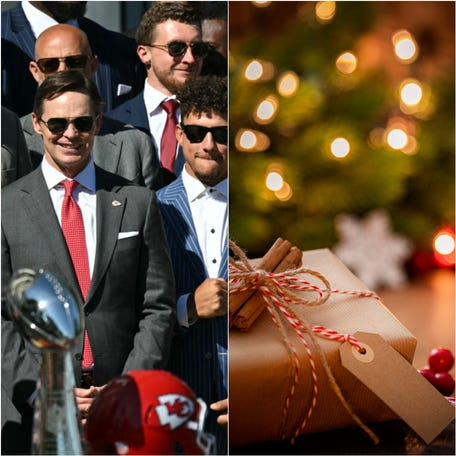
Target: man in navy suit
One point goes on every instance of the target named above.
(194, 210)
(170, 47)
(119, 76)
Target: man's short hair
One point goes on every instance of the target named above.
(204, 94)
(66, 81)
(160, 12)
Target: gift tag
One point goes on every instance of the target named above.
(398, 384)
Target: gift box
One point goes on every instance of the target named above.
(268, 401)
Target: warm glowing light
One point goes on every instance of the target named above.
(340, 147)
(411, 147)
(411, 93)
(285, 193)
(288, 84)
(274, 181)
(375, 138)
(405, 46)
(251, 141)
(266, 110)
(261, 4)
(325, 11)
(254, 70)
(444, 243)
(396, 138)
(347, 63)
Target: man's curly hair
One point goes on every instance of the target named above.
(204, 94)
(160, 12)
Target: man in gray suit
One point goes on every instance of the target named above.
(130, 305)
(15, 156)
(118, 148)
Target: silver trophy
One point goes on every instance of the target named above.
(51, 318)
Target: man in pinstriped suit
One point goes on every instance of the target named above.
(194, 210)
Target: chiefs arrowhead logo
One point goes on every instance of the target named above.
(174, 410)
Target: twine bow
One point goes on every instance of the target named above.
(279, 294)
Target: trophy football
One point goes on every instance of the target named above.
(50, 317)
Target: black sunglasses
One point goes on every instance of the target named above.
(196, 133)
(200, 49)
(57, 125)
(51, 65)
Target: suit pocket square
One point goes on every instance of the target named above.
(127, 234)
(123, 89)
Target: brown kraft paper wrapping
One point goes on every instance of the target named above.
(261, 368)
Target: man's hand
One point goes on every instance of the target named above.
(85, 398)
(221, 406)
(209, 300)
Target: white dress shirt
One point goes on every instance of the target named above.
(84, 194)
(156, 114)
(40, 21)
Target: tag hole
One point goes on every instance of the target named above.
(362, 351)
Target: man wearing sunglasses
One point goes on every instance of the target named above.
(119, 76)
(194, 209)
(128, 291)
(118, 148)
(171, 47)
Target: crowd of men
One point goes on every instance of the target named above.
(114, 177)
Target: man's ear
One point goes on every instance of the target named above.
(179, 134)
(98, 123)
(143, 54)
(93, 65)
(36, 124)
(35, 71)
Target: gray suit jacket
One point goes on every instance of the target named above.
(118, 148)
(15, 156)
(130, 307)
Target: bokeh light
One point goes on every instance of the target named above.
(248, 140)
(405, 47)
(266, 110)
(444, 247)
(347, 63)
(284, 193)
(254, 70)
(325, 11)
(288, 84)
(340, 147)
(274, 181)
(396, 138)
(411, 92)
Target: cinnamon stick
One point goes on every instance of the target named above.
(269, 262)
(254, 307)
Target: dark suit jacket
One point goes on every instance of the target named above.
(118, 62)
(133, 112)
(118, 148)
(199, 353)
(130, 307)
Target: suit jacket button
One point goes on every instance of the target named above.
(208, 355)
(78, 356)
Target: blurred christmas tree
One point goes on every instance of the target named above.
(340, 107)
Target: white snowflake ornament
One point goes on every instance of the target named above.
(372, 250)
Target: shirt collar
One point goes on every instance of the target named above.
(53, 177)
(40, 21)
(195, 188)
(153, 98)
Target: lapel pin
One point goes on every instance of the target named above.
(116, 203)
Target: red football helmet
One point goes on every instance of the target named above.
(147, 412)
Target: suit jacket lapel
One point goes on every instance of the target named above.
(177, 196)
(110, 209)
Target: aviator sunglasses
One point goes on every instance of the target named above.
(51, 64)
(196, 133)
(178, 48)
(57, 125)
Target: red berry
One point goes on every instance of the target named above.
(428, 374)
(444, 382)
(441, 360)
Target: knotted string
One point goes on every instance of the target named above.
(278, 291)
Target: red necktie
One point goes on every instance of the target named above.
(168, 140)
(73, 230)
